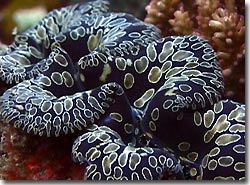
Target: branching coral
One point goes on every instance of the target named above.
(222, 23)
(156, 13)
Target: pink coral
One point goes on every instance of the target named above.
(156, 13)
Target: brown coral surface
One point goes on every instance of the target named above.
(27, 157)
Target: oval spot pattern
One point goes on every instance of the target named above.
(129, 81)
(116, 116)
(151, 52)
(154, 74)
(57, 78)
(120, 63)
(185, 88)
(184, 146)
(155, 114)
(167, 51)
(208, 118)
(197, 118)
(212, 164)
(141, 64)
(181, 55)
(225, 161)
(144, 98)
(68, 79)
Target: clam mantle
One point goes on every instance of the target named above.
(147, 107)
